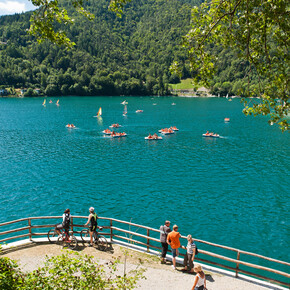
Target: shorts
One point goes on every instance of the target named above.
(59, 227)
(175, 253)
(93, 228)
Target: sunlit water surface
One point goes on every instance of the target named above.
(232, 190)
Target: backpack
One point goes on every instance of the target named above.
(196, 250)
(66, 221)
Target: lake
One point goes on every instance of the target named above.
(232, 190)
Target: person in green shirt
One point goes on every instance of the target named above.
(93, 224)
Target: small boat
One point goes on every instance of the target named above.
(115, 126)
(50, 101)
(124, 103)
(166, 131)
(149, 138)
(57, 103)
(154, 104)
(44, 102)
(173, 104)
(71, 126)
(139, 111)
(99, 114)
(118, 135)
(107, 132)
(125, 111)
(153, 137)
(230, 100)
(174, 128)
(227, 120)
(211, 135)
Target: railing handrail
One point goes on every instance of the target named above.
(155, 230)
(148, 238)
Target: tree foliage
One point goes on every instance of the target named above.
(71, 270)
(111, 56)
(10, 275)
(257, 32)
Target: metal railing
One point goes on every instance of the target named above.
(150, 240)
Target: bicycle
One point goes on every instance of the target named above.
(65, 239)
(98, 240)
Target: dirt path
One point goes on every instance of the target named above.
(158, 276)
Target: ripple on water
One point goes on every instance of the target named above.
(232, 190)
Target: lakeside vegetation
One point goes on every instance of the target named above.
(70, 270)
(112, 56)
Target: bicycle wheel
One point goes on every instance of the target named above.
(52, 236)
(85, 236)
(102, 243)
(59, 241)
(72, 243)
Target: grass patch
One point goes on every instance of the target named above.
(186, 84)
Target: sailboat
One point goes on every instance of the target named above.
(57, 103)
(125, 111)
(99, 114)
(44, 102)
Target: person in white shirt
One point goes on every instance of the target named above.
(190, 253)
(199, 280)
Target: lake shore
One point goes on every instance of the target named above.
(158, 276)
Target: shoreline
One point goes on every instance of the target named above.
(177, 96)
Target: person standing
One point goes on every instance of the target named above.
(164, 231)
(190, 253)
(199, 280)
(66, 218)
(92, 219)
(173, 241)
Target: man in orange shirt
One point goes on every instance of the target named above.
(173, 241)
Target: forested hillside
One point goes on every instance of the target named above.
(112, 56)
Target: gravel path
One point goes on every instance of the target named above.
(158, 276)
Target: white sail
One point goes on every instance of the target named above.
(125, 111)
(99, 112)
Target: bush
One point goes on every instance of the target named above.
(72, 270)
(10, 274)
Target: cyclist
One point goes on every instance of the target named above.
(93, 220)
(66, 218)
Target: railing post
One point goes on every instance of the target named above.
(148, 232)
(111, 230)
(72, 224)
(237, 266)
(29, 224)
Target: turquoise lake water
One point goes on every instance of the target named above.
(232, 190)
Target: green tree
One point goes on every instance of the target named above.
(258, 31)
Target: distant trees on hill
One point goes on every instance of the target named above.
(112, 56)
